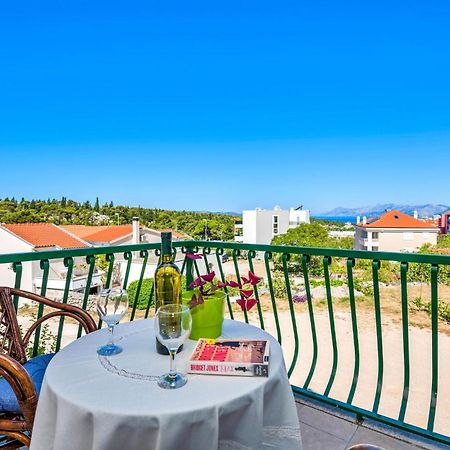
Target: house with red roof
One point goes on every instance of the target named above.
(394, 231)
(134, 233)
(29, 237)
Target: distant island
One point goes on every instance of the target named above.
(426, 210)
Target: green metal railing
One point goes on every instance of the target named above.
(283, 263)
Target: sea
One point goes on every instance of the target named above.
(351, 219)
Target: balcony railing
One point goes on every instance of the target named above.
(372, 354)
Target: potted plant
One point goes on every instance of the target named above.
(206, 299)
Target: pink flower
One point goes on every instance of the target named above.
(193, 256)
(246, 304)
(209, 277)
(233, 284)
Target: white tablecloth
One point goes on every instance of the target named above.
(91, 402)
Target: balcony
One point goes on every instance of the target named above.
(366, 354)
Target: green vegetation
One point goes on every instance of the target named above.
(65, 211)
(309, 235)
(332, 224)
(144, 294)
(443, 308)
(443, 241)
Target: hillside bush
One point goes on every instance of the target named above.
(144, 294)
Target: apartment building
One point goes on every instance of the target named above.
(394, 231)
(260, 226)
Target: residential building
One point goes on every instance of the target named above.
(111, 235)
(445, 223)
(19, 238)
(28, 237)
(260, 226)
(101, 235)
(394, 231)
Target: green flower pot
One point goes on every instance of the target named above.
(207, 318)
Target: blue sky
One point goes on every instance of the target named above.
(201, 106)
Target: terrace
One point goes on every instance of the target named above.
(366, 359)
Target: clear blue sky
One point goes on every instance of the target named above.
(208, 106)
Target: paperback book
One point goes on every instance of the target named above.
(230, 357)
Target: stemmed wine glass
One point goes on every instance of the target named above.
(173, 324)
(112, 305)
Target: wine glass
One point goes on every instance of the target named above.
(112, 305)
(173, 324)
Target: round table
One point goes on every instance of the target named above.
(91, 402)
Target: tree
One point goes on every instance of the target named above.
(308, 235)
(97, 205)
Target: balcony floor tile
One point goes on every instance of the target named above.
(327, 428)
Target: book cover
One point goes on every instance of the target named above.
(230, 357)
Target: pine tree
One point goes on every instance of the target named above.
(97, 205)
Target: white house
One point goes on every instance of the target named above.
(260, 226)
(28, 237)
(36, 237)
(394, 231)
(129, 234)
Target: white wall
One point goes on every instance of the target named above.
(258, 225)
(296, 217)
(11, 244)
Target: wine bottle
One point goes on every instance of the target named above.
(167, 281)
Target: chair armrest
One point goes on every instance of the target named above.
(22, 386)
(87, 325)
(79, 314)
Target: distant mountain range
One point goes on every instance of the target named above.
(423, 210)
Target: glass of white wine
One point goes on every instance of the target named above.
(112, 305)
(173, 324)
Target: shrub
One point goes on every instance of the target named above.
(144, 294)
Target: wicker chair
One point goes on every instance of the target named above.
(17, 427)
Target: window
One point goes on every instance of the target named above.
(275, 224)
(375, 235)
(408, 236)
(374, 249)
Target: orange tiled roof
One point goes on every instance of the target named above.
(82, 231)
(107, 233)
(44, 235)
(397, 219)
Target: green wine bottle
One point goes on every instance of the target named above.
(168, 287)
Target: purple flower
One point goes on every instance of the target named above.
(195, 301)
(209, 277)
(198, 282)
(299, 298)
(193, 256)
(246, 304)
(252, 279)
